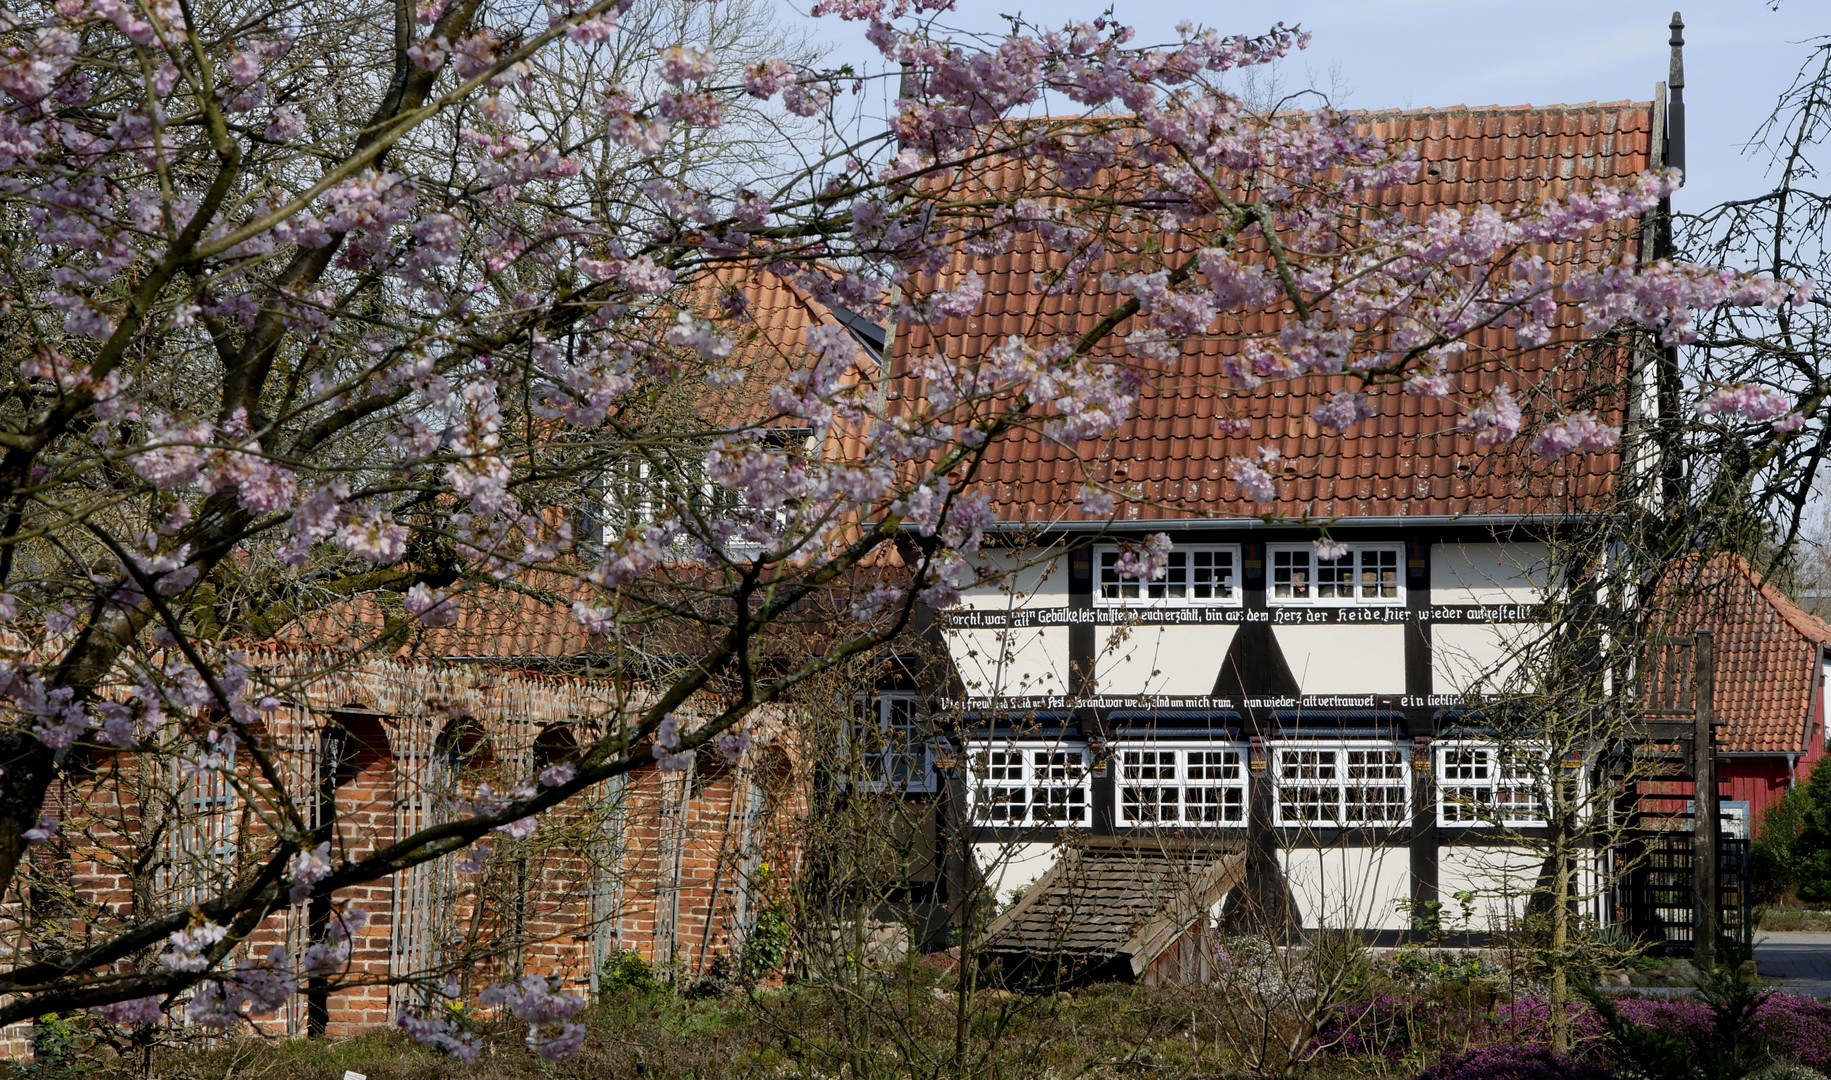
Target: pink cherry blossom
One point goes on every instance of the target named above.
(438, 1034)
(767, 78)
(145, 1010)
(433, 608)
(1341, 412)
(1255, 483)
(1495, 421)
(522, 326)
(1578, 431)
(1328, 550)
(306, 868)
(374, 535)
(686, 63)
(1147, 560)
(1747, 402)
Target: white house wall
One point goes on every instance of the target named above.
(1024, 661)
(1139, 660)
(1479, 655)
(1345, 659)
(1365, 888)
(1011, 866)
(1488, 573)
(1029, 583)
(1499, 880)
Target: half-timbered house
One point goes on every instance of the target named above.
(1301, 699)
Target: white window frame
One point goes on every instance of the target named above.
(1183, 561)
(1173, 776)
(1336, 770)
(632, 496)
(1010, 774)
(900, 757)
(1473, 774)
(1314, 570)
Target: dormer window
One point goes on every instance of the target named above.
(643, 486)
(1198, 575)
(1362, 574)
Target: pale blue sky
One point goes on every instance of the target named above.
(1739, 55)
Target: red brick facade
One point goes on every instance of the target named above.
(668, 865)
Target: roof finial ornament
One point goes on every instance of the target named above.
(1675, 104)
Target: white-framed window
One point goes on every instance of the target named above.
(1197, 575)
(1030, 783)
(1483, 784)
(1189, 784)
(1366, 574)
(1341, 784)
(894, 750)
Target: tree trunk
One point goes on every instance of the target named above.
(1560, 940)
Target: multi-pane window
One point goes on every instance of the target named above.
(894, 751)
(1482, 784)
(1342, 784)
(1193, 786)
(641, 487)
(1195, 576)
(1363, 574)
(1030, 784)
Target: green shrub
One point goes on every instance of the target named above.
(765, 948)
(626, 972)
(1794, 848)
(58, 1049)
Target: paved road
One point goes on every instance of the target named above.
(1797, 963)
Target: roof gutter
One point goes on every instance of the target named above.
(1400, 521)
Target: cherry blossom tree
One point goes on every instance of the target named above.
(316, 302)
(1750, 455)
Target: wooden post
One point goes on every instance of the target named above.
(1704, 804)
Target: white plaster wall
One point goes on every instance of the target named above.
(1018, 662)
(1012, 866)
(1501, 877)
(1466, 655)
(1346, 659)
(1350, 888)
(1043, 585)
(1159, 659)
(1487, 573)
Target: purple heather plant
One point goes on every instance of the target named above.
(1514, 1061)
(1794, 1028)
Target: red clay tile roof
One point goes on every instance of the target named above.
(1767, 656)
(532, 620)
(501, 623)
(768, 342)
(1406, 460)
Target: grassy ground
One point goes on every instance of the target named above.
(1401, 1013)
(1100, 1033)
(1788, 918)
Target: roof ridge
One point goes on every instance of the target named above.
(1464, 110)
(1809, 625)
(1562, 108)
(1804, 622)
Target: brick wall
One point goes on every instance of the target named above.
(664, 864)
